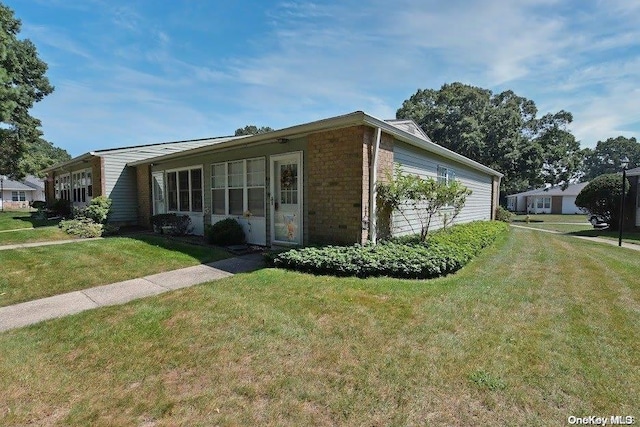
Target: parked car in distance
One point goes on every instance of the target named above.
(598, 222)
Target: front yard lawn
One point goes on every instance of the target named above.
(49, 270)
(550, 218)
(11, 220)
(537, 328)
(40, 234)
(627, 236)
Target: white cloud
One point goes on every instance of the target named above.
(314, 60)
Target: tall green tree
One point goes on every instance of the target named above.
(605, 157)
(252, 130)
(39, 155)
(22, 83)
(500, 130)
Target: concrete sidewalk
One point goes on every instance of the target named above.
(591, 239)
(48, 243)
(27, 313)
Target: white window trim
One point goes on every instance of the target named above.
(449, 174)
(80, 186)
(245, 186)
(176, 170)
(18, 193)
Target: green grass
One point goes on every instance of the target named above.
(40, 234)
(537, 328)
(20, 227)
(49, 270)
(627, 236)
(560, 228)
(550, 218)
(11, 220)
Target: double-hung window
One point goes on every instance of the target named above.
(18, 196)
(184, 190)
(238, 188)
(445, 175)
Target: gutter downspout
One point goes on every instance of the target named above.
(373, 181)
(496, 199)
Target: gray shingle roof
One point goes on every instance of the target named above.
(10, 184)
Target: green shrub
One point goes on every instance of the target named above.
(178, 225)
(81, 227)
(38, 204)
(503, 214)
(61, 207)
(445, 252)
(98, 210)
(225, 233)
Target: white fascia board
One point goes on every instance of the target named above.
(63, 165)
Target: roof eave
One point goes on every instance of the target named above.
(63, 165)
(290, 132)
(355, 118)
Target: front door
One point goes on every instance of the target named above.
(286, 199)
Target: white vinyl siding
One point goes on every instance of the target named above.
(415, 161)
(18, 196)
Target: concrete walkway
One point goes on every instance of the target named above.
(49, 243)
(27, 313)
(591, 239)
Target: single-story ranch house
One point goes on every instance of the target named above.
(105, 172)
(306, 184)
(19, 194)
(547, 200)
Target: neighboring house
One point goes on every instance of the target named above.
(308, 184)
(633, 199)
(105, 172)
(18, 194)
(548, 200)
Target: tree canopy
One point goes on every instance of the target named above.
(22, 83)
(500, 131)
(39, 155)
(605, 158)
(252, 130)
(601, 196)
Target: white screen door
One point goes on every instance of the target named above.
(286, 198)
(157, 179)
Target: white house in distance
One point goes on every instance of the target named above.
(18, 194)
(547, 200)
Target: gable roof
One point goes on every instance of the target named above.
(145, 151)
(409, 126)
(571, 190)
(10, 184)
(400, 130)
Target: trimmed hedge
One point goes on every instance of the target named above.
(445, 252)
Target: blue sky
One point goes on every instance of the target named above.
(142, 71)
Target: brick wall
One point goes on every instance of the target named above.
(49, 188)
(334, 198)
(97, 172)
(143, 178)
(384, 170)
